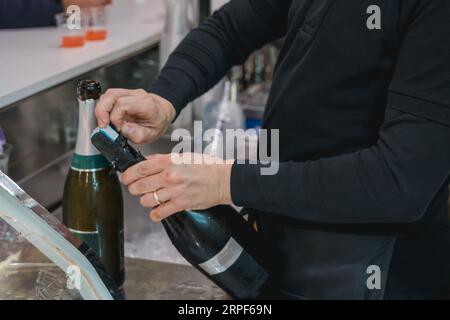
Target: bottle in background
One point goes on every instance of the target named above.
(92, 200)
(176, 28)
(2, 140)
(224, 114)
(204, 8)
(5, 152)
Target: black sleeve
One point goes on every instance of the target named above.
(421, 83)
(391, 182)
(395, 180)
(28, 13)
(225, 39)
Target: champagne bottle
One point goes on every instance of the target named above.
(92, 201)
(217, 241)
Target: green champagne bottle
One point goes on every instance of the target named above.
(92, 200)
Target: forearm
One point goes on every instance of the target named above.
(225, 39)
(391, 182)
(31, 13)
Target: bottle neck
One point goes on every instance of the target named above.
(87, 157)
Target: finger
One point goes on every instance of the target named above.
(138, 134)
(124, 106)
(148, 200)
(151, 166)
(146, 185)
(106, 104)
(163, 211)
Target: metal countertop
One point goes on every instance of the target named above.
(156, 280)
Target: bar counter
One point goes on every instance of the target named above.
(156, 280)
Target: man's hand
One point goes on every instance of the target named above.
(85, 3)
(179, 186)
(140, 116)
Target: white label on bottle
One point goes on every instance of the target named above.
(224, 259)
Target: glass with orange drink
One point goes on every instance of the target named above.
(72, 29)
(97, 28)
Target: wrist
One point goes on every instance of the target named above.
(225, 190)
(166, 107)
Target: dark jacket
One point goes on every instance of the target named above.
(28, 13)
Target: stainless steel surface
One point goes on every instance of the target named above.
(39, 211)
(27, 222)
(153, 280)
(176, 28)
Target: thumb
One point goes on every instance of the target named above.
(137, 133)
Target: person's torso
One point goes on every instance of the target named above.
(329, 98)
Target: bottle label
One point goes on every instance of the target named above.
(224, 259)
(88, 163)
(89, 237)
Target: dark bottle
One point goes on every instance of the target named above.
(92, 201)
(220, 244)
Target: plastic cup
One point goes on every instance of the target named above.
(97, 25)
(72, 35)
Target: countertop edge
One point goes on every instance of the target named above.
(66, 75)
